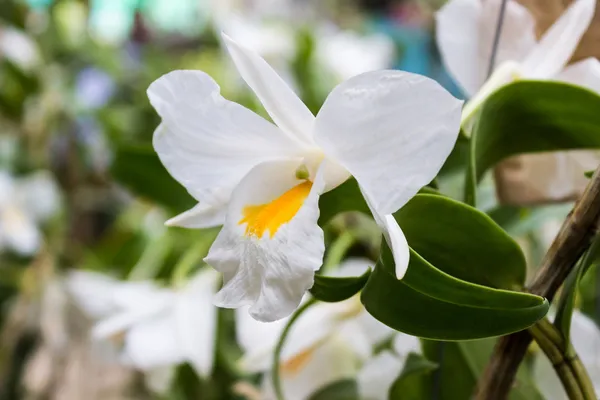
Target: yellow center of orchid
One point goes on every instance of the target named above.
(270, 216)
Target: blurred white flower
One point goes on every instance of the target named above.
(585, 337)
(19, 48)
(263, 181)
(347, 54)
(329, 342)
(24, 204)
(158, 327)
(465, 34)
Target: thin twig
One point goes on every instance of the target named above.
(496, 42)
(574, 238)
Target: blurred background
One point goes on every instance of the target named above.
(81, 187)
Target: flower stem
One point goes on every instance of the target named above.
(565, 361)
(190, 259)
(337, 250)
(279, 347)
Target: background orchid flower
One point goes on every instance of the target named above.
(391, 130)
(465, 34)
(159, 327)
(347, 54)
(25, 203)
(585, 337)
(329, 342)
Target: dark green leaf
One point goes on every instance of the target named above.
(139, 169)
(346, 389)
(412, 384)
(432, 304)
(461, 364)
(588, 174)
(332, 289)
(530, 117)
(462, 241)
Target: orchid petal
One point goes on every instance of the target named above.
(200, 216)
(328, 363)
(558, 44)
(584, 73)
(391, 130)
(208, 143)
(282, 104)
(273, 270)
(196, 319)
(457, 33)
(92, 291)
(152, 343)
(38, 195)
(18, 231)
(378, 374)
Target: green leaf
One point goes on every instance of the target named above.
(140, 170)
(346, 389)
(462, 241)
(566, 302)
(461, 364)
(429, 303)
(530, 117)
(333, 289)
(412, 384)
(588, 174)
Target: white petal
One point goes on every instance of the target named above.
(196, 318)
(206, 142)
(375, 330)
(404, 344)
(457, 33)
(559, 42)
(392, 130)
(394, 237)
(19, 231)
(153, 343)
(269, 273)
(159, 379)
(328, 363)
(7, 188)
(200, 216)
(584, 73)
(282, 104)
(92, 292)
(38, 195)
(378, 374)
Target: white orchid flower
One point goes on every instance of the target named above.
(391, 130)
(24, 204)
(585, 337)
(465, 35)
(160, 327)
(347, 54)
(327, 343)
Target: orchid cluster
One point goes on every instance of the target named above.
(375, 146)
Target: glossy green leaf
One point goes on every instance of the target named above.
(429, 303)
(346, 389)
(460, 366)
(530, 117)
(412, 384)
(332, 289)
(139, 169)
(462, 241)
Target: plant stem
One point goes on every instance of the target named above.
(277, 354)
(337, 251)
(566, 363)
(573, 239)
